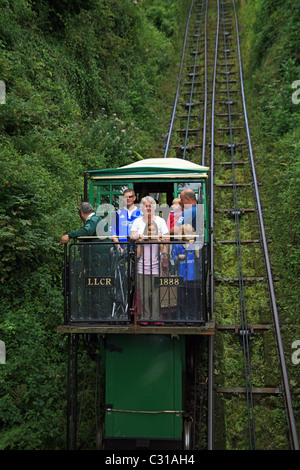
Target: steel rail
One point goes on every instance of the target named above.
(193, 83)
(179, 82)
(244, 320)
(245, 336)
(286, 385)
(210, 433)
(210, 386)
(193, 74)
(205, 87)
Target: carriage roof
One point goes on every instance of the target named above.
(153, 168)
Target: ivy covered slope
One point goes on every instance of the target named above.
(86, 87)
(271, 45)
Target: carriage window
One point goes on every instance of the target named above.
(189, 185)
(195, 186)
(162, 191)
(107, 194)
(119, 187)
(106, 199)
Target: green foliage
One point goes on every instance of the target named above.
(271, 38)
(162, 15)
(33, 377)
(83, 81)
(88, 86)
(274, 60)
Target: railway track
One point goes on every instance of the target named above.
(209, 125)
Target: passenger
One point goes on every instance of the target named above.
(175, 213)
(148, 206)
(189, 214)
(125, 217)
(186, 255)
(148, 255)
(95, 261)
(90, 220)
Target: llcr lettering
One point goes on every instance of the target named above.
(99, 282)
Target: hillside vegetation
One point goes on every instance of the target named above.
(86, 83)
(90, 84)
(271, 45)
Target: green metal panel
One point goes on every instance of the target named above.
(206, 214)
(144, 386)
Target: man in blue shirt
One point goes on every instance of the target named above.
(125, 217)
(189, 214)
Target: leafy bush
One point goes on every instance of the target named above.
(272, 42)
(83, 79)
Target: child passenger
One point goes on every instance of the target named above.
(175, 213)
(148, 254)
(186, 255)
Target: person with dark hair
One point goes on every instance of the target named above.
(125, 217)
(89, 218)
(175, 213)
(89, 261)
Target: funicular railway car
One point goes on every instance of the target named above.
(148, 320)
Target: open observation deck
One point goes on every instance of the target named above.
(104, 289)
(107, 290)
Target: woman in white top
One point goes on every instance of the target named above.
(148, 206)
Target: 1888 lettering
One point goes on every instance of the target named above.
(168, 281)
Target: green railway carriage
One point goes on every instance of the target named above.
(148, 364)
(165, 177)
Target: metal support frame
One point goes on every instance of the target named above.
(72, 392)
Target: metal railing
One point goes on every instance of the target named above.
(97, 282)
(144, 282)
(170, 282)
